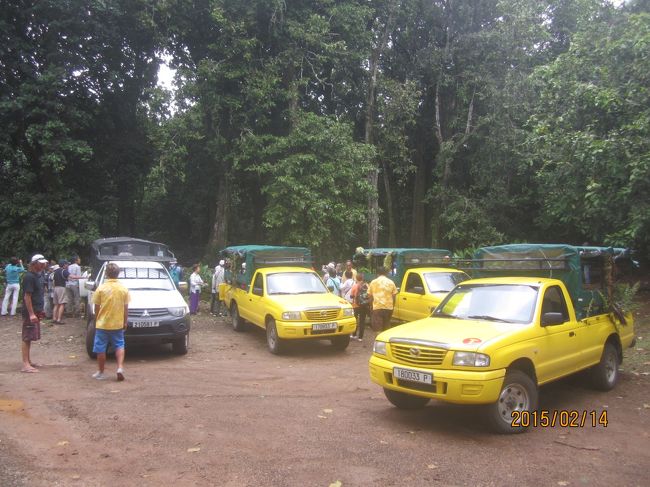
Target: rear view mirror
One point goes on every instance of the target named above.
(549, 319)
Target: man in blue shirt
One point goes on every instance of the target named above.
(12, 273)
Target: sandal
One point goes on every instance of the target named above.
(29, 371)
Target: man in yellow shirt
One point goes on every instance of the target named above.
(111, 302)
(382, 291)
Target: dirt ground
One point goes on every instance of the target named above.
(231, 414)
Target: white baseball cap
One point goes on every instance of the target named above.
(39, 258)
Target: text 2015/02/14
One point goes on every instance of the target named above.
(562, 418)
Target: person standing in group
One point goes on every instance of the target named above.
(111, 301)
(218, 277)
(48, 282)
(346, 287)
(72, 286)
(382, 291)
(361, 305)
(333, 282)
(196, 283)
(32, 309)
(176, 273)
(348, 267)
(60, 297)
(13, 271)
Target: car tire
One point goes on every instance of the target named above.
(340, 342)
(604, 376)
(179, 347)
(403, 400)
(518, 393)
(90, 337)
(274, 342)
(238, 323)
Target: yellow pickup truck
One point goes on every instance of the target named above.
(276, 291)
(494, 340)
(423, 277)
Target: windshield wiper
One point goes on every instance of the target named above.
(309, 292)
(440, 291)
(445, 315)
(279, 292)
(488, 318)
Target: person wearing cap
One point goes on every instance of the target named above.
(32, 312)
(13, 272)
(218, 278)
(72, 286)
(60, 297)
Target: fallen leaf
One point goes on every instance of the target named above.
(563, 482)
(72, 356)
(382, 442)
(336, 484)
(193, 450)
(62, 443)
(322, 417)
(328, 411)
(76, 477)
(432, 466)
(646, 405)
(115, 391)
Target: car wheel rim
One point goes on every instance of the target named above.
(611, 367)
(514, 397)
(235, 317)
(271, 335)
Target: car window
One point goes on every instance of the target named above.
(414, 283)
(554, 302)
(294, 283)
(144, 278)
(443, 282)
(502, 302)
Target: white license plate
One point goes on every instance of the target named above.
(145, 324)
(413, 375)
(324, 326)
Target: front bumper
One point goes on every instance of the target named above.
(454, 386)
(296, 330)
(169, 330)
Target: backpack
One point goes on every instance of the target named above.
(362, 297)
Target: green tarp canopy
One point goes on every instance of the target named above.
(402, 259)
(257, 256)
(585, 270)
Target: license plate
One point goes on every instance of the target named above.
(413, 375)
(145, 324)
(324, 326)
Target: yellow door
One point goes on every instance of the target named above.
(412, 302)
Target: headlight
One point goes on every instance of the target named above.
(471, 359)
(348, 311)
(379, 347)
(177, 311)
(291, 315)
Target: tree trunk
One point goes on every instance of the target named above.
(419, 190)
(392, 240)
(219, 234)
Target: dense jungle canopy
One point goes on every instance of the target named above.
(324, 123)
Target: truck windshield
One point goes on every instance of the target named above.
(145, 279)
(443, 282)
(295, 283)
(505, 303)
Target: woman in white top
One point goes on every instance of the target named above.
(196, 283)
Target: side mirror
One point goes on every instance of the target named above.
(417, 290)
(549, 319)
(258, 291)
(89, 285)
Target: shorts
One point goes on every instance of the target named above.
(104, 337)
(32, 331)
(380, 319)
(60, 295)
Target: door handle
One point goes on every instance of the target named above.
(572, 334)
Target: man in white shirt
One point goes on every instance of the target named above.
(72, 286)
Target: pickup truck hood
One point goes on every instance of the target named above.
(299, 302)
(156, 299)
(469, 335)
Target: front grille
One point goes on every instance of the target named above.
(153, 313)
(418, 355)
(322, 314)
